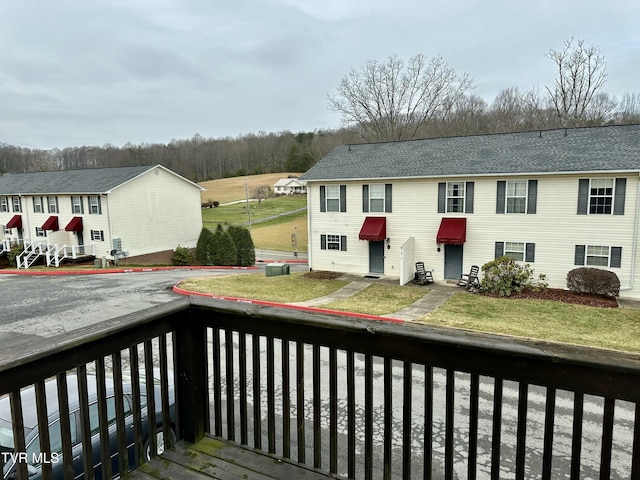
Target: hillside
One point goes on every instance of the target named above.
(225, 190)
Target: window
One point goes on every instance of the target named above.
(17, 204)
(514, 250)
(333, 198)
(601, 196)
(517, 196)
(40, 232)
(95, 204)
(455, 197)
(52, 202)
(37, 205)
(333, 242)
(97, 235)
(4, 204)
(517, 251)
(376, 197)
(598, 256)
(55, 441)
(76, 205)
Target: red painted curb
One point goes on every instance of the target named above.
(117, 270)
(365, 316)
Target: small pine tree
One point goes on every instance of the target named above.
(223, 251)
(203, 247)
(246, 254)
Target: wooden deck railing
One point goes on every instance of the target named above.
(355, 398)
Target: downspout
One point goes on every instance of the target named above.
(309, 235)
(634, 244)
(110, 242)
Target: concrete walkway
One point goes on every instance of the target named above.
(435, 295)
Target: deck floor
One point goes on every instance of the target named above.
(212, 458)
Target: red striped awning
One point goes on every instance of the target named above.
(373, 229)
(51, 224)
(452, 231)
(75, 225)
(15, 222)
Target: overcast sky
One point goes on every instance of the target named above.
(92, 72)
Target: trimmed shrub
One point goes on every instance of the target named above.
(182, 256)
(223, 250)
(245, 250)
(204, 247)
(13, 253)
(593, 280)
(504, 277)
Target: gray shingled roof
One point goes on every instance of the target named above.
(87, 181)
(591, 149)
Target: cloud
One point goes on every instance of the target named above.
(115, 71)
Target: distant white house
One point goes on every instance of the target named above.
(556, 199)
(289, 186)
(139, 213)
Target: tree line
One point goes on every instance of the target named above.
(383, 101)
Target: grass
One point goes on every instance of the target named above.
(378, 299)
(225, 190)
(272, 234)
(283, 289)
(617, 329)
(237, 213)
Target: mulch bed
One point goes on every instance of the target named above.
(566, 296)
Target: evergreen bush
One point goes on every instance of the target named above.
(245, 249)
(223, 251)
(593, 280)
(204, 247)
(182, 256)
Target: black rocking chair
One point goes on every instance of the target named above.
(470, 280)
(422, 276)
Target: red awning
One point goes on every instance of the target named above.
(452, 231)
(51, 224)
(15, 222)
(374, 229)
(75, 225)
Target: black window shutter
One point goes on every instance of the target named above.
(532, 197)
(323, 198)
(387, 198)
(442, 197)
(323, 242)
(343, 198)
(343, 243)
(530, 252)
(99, 204)
(81, 205)
(365, 198)
(579, 255)
(583, 197)
(616, 257)
(618, 203)
(499, 249)
(501, 196)
(468, 197)
(72, 211)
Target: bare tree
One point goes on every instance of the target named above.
(629, 108)
(581, 74)
(390, 102)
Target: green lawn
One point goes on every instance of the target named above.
(611, 328)
(237, 213)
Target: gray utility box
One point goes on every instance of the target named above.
(276, 269)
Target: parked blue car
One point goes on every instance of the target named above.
(35, 459)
